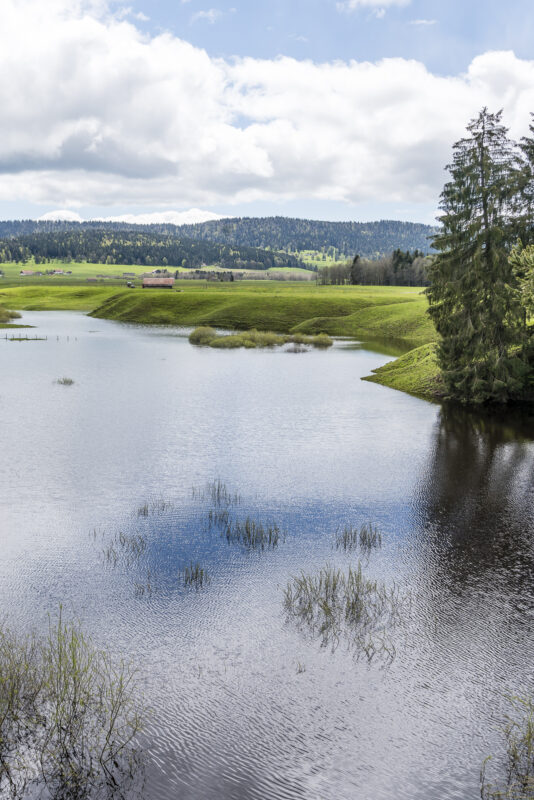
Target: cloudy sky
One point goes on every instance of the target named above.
(332, 109)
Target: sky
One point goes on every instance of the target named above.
(185, 110)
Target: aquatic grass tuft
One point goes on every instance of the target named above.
(253, 535)
(194, 576)
(125, 548)
(367, 537)
(518, 733)
(254, 338)
(70, 717)
(218, 493)
(64, 381)
(333, 604)
(156, 507)
(202, 335)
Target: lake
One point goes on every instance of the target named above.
(246, 703)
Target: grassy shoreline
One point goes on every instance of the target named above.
(355, 312)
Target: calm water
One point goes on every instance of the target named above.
(246, 704)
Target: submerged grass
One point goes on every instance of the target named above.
(367, 537)
(218, 493)
(253, 535)
(194, 576)
(70, 716)
(335, 604)
(159, 506)
(518, 768)
(125, 548)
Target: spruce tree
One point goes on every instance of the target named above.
(474, 296)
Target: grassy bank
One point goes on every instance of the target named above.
(358, 312)
(416, 373)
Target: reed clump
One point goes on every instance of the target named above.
(194, 576)
(253, 535)
(333, 603)
(125, 548)
(254, 338)
(367, 537)
(6, 315)
(202, 335)
(70, 716)
(518, 731)
(217, 493)
(65, 381)
(155, 507)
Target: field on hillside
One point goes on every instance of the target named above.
(83, 270)
(357, 312)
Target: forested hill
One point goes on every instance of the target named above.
(368, 239)
(137, 247)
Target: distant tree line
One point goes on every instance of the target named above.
(369, 239)
(134, 247)
(401, 268)
(332, 239)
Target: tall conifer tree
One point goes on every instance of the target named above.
(474, 296)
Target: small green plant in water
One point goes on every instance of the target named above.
(64, 381)
(518, 733)
(253, 535)
(194, 576)
(202, 336)
(70, 717)
(367, 537)
(218, 493)
(254, 338)
(333, 603)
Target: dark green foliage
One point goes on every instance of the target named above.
(475, 299)
(398, 269)
(370, 239)
(137, 246)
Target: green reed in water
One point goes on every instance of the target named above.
(125, 548)
(155, 507)
(367, 538)
(194, 576)
(333, 603)
(518, 734)
(218, 493)
(70, 716)
(253, 535)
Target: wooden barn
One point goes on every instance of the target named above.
(158, 283)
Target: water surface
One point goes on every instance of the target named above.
(245, 703)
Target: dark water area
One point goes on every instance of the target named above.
(246, 704)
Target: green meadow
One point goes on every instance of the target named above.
(387, 313)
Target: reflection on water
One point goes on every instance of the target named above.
(98, 513)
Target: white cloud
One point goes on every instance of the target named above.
(423, 22)
(353, 5)
(211, 15)
(189, 217)
(167, 217)
(60, 214)
(96, 113)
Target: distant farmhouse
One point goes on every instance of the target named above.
(158, 283)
